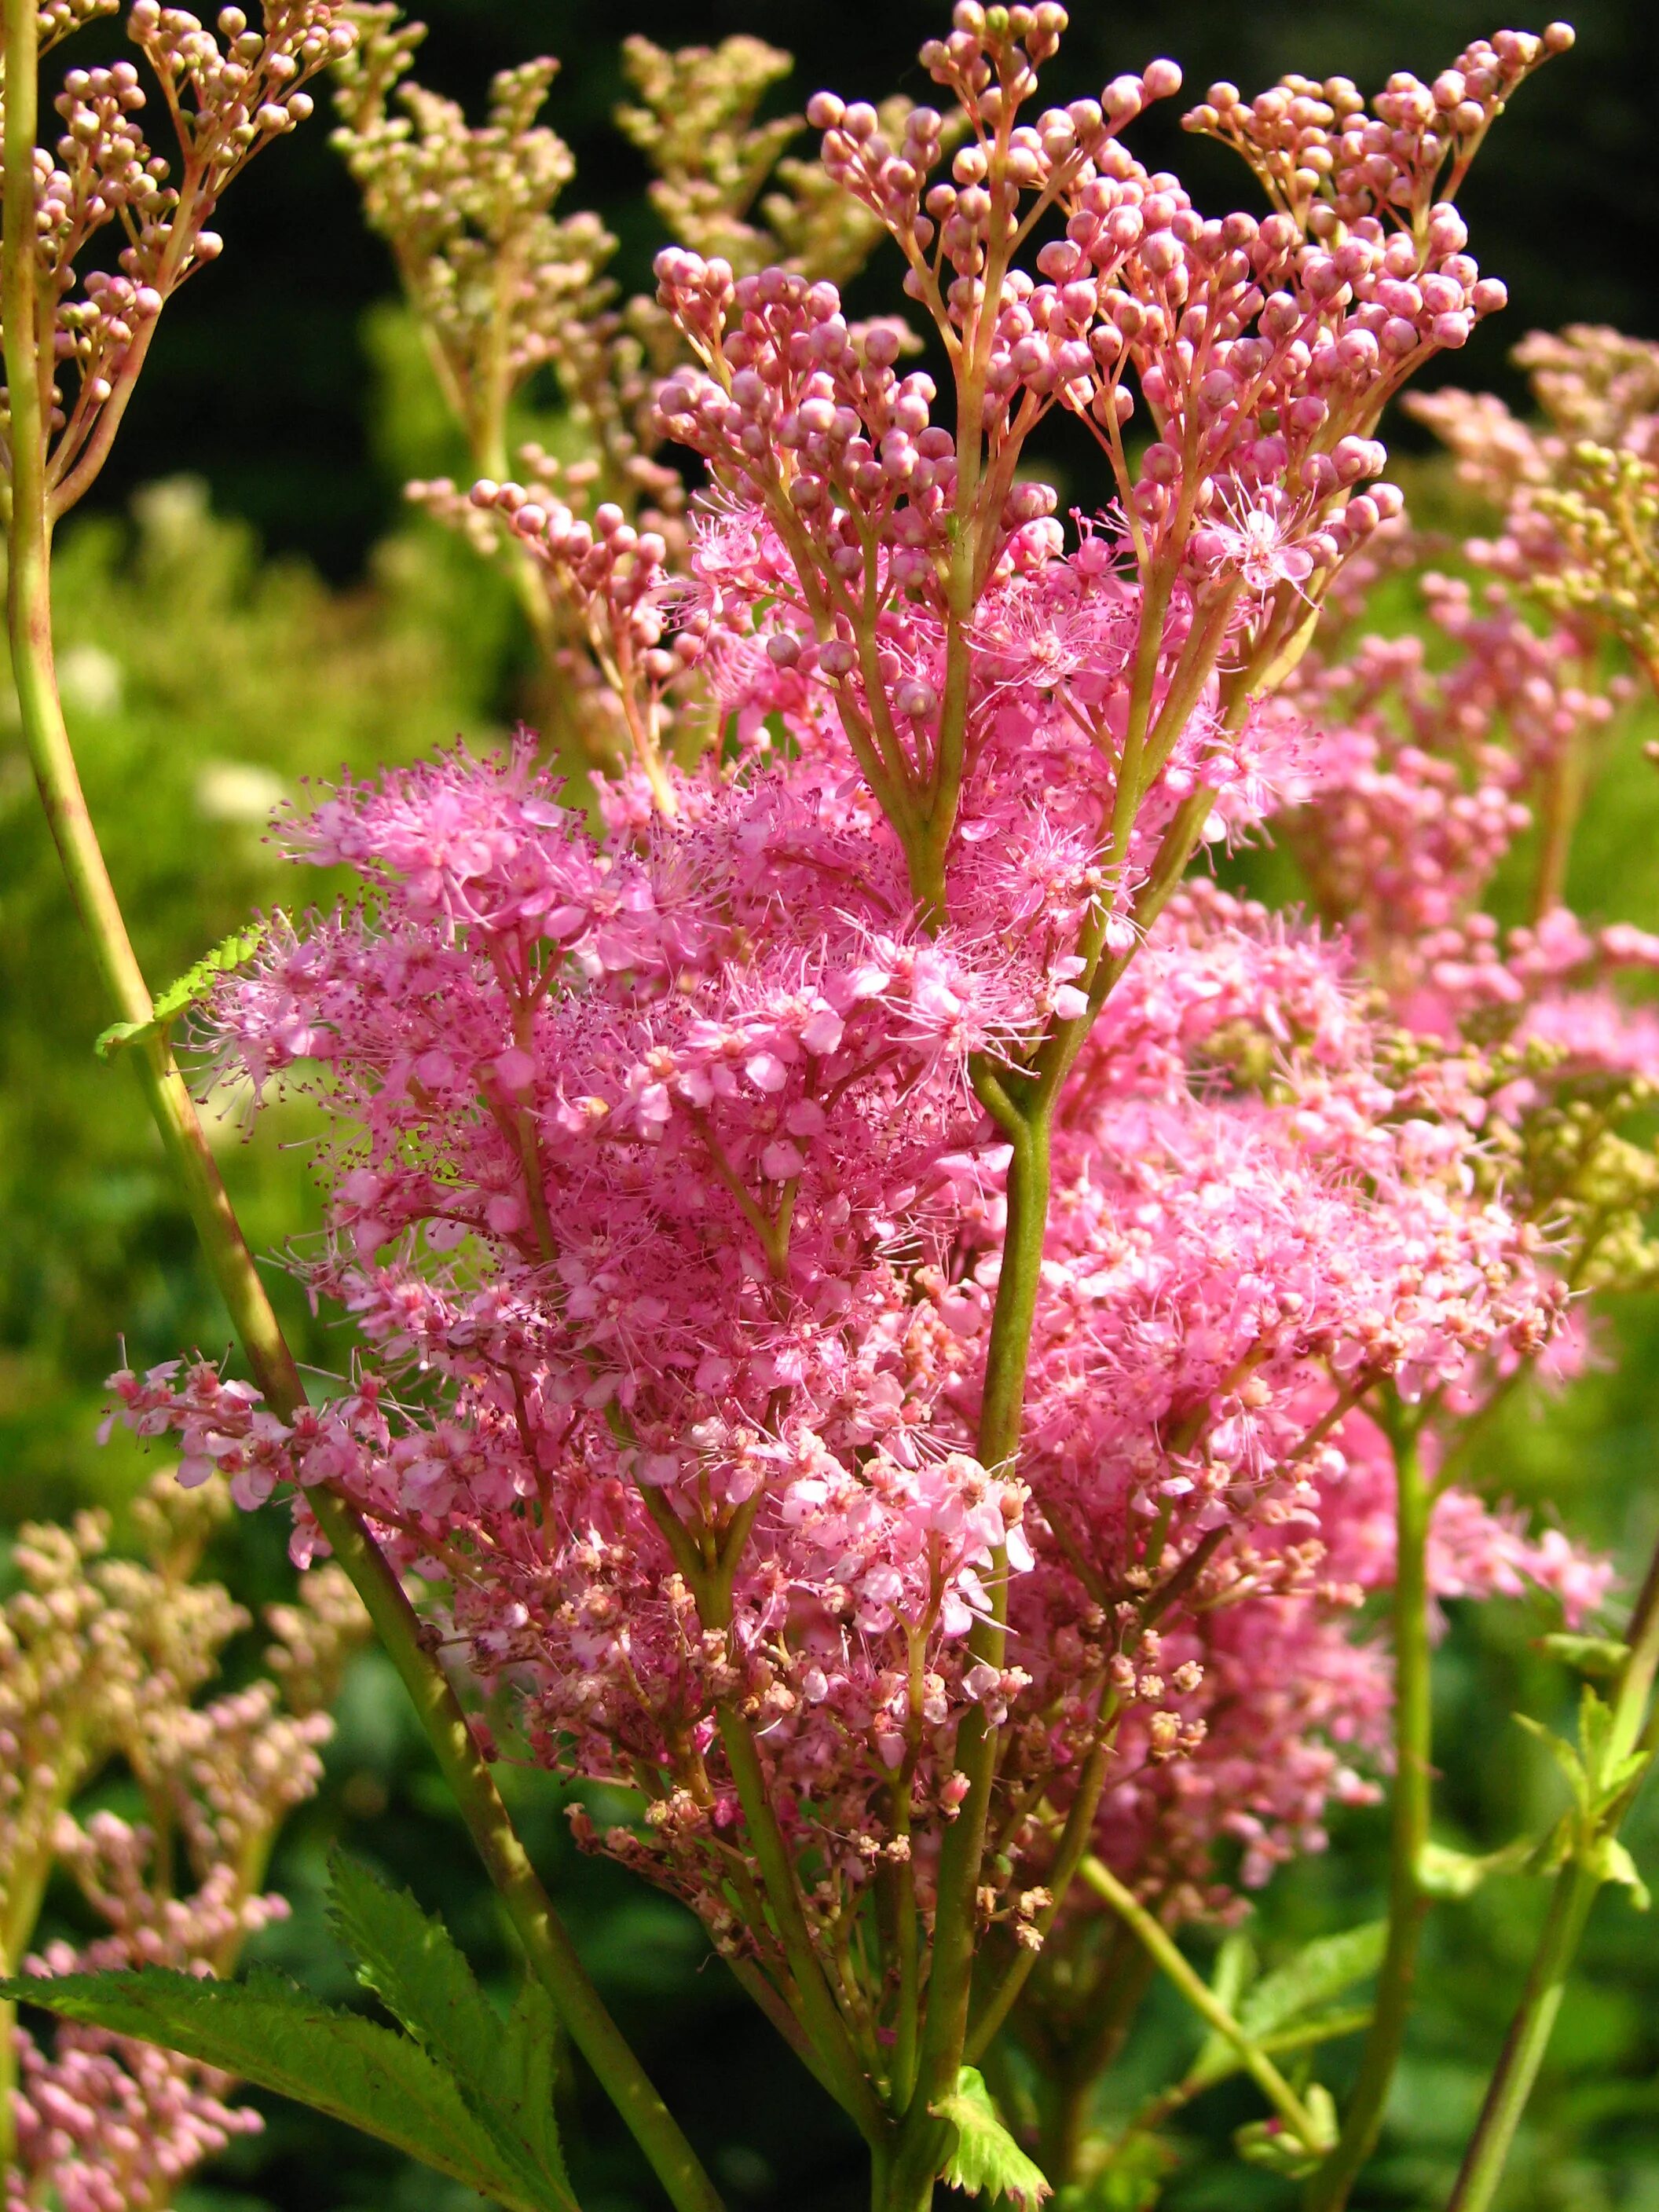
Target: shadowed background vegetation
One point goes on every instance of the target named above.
(248, 604)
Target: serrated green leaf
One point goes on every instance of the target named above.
(1320, 1971)
(1617, 1778)
(267, 2032)
(1599, 1655)
(530, 2051)
(503, 2069)
(191, 988)
(984, 2159)
(1595, 1735)
(1442, 1872)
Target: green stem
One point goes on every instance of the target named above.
(895, 2191)
(1576, 1889)
(1089, 2047)
(548, 1947)
(945, 2029)
(8, 2085)
(27, 371)
(849, 2083)
(1162, 1947)
(1563, 801)
(1328, 2191)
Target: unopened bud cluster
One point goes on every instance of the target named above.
(229, 89)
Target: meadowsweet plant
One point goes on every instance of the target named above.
(101, 1660)
(928, 1346)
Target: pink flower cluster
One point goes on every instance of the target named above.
(675, 1164)
(664, 1200)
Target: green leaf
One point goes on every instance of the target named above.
(1565, 1757)
(1442, 1872)
(267, 2032)
(191, 988)
(1599, 1655)
(528, 2057)
(984, 2159)
(503, 2069)
(1319, 1972)
(1322, 2027)
(1132, 2180)
(1614, 1863)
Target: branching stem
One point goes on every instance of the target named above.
(27, 361)
(1577, 1886)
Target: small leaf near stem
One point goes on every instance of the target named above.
(1303, 2123)
(1624, 1744)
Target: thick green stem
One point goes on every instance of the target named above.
(1577, 1886)
(27, 360)
(1328, 2191)
(893, 2190)
(1002, 1409)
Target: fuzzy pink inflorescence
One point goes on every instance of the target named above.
(666, 1205)
(665, 1198)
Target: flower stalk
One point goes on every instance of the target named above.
(1409, 1805)
(1634, 1727)
(1161, 1947)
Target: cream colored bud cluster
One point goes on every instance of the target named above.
(696, 125)
(314, 1638)
(59, 19)
(100, 1659)
(94, 1652)
(227, 91)
(102, 1654)
(1605, 514)
(498, 282)
(1579, 489)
